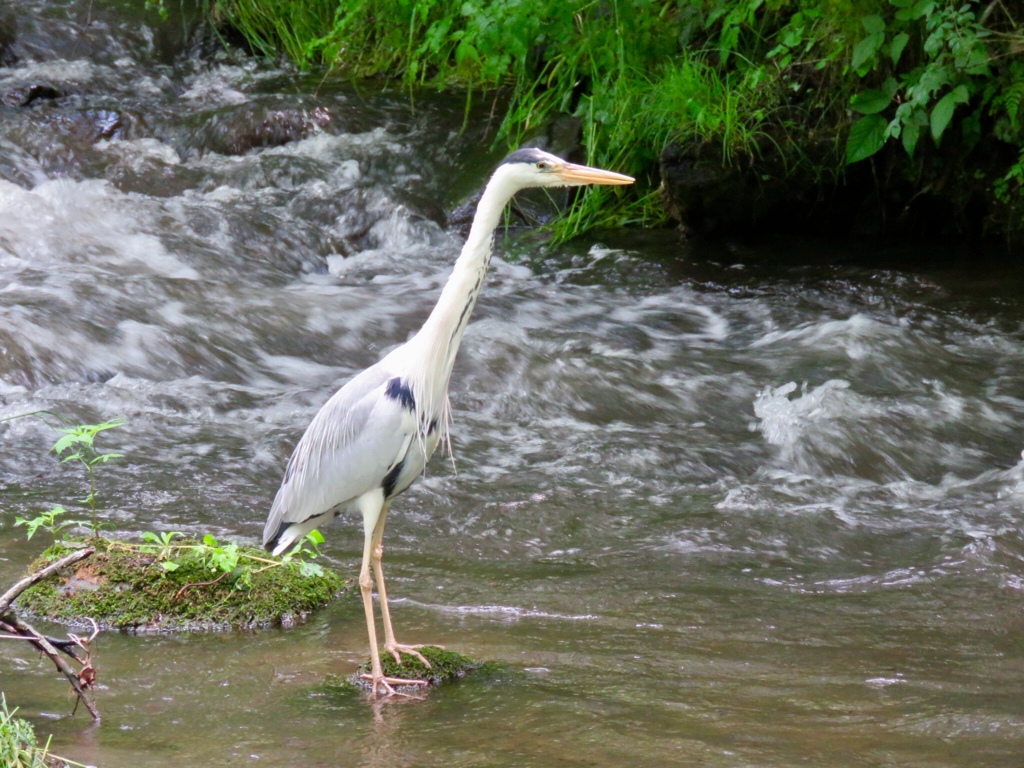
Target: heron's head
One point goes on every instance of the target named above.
(536, 168)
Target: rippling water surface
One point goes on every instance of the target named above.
(711, 506)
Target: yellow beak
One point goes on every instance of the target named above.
(584, 174)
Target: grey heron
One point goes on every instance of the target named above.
(374, 436)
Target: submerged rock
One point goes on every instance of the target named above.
(445, 666)
(24, 95)
(238, 129)
(121, 587)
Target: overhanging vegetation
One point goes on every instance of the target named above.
(913, 99)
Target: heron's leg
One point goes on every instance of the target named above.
(366, 588)
(376, 553)
(376, 676)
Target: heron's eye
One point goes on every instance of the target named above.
(543, 165)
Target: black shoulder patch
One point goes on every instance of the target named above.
(398, 390)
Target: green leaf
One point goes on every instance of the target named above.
(870, 102)
(960, 94)
(112, 424)
(65, 442)
(873, 25)
(921, 8)
(465, 51)
(911, 132)
(209, 540)
(103, 458)
(865, 50)
(896, 46)
(943, 110)
(316, 537)
(169, 565)
(866, 137)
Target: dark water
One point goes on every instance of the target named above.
(711, 506)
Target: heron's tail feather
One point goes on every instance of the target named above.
(288, 535)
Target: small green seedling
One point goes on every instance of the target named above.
(48, 522)
(79, 443)
(306, 550)
(162, 547)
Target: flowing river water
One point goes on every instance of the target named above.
(709, 506)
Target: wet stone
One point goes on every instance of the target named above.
(236, 131)
(25, 95)
(88, 125)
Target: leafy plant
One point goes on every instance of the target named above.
(18, 748)
(304, 552)
(225, 559)
(79, 444)
(945, 67)
(163, 547)
(47, 521)
(220, 559)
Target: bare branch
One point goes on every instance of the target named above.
(80, 681)
(15, 627)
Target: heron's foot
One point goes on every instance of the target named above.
(397, 649)
(384, 684)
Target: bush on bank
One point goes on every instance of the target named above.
(909, 106)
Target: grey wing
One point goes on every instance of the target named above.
(348, 449)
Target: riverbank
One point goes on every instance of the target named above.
(899, 117)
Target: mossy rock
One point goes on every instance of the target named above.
(121, 587)
(445, 667)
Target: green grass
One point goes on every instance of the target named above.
(279, 26)
(18, 747)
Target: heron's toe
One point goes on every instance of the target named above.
(397, 650)
(384, 684)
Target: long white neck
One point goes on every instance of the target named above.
(439, 338)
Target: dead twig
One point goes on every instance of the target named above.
(87, 675)
(180, 592)
(65, 646)
(79, 684)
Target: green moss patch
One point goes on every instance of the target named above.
(445, 667)
(123, 586)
